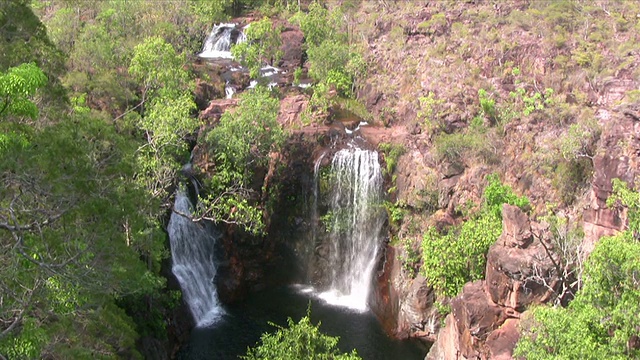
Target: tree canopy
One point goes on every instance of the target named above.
(301, 340)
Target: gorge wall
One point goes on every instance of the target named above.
(423, 88)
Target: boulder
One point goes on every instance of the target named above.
(216, 108)
(473, 320)
(206, 91)
(292, 53)
(516, 228)
(291, 109)
(417, 314)
(503, 340)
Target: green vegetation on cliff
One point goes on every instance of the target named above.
(334, 60)
(451, 259)
(241, 144)
(602, 321)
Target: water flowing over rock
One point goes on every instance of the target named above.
(229, 91)
(355, 224)
(194, 263)
(219, 41)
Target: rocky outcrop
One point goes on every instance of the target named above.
(291, 110)
(618, 158)
(474, 319)
(212, 113)
(291, 48)
(518, 265)
(405, 311)
(484, 317)
(205, 91)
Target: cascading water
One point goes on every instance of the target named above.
(229, 91)
(194, 264)
(219, 41)
(356, 223)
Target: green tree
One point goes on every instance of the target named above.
(166, 116)
(301, 340)
(262, 46)
(333, 60)
(241, 144)
(601, 322)
(17, 87)
(72, 238)
(459, 255)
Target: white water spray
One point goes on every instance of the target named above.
(219, 41)
(194, 265)
(355, 228)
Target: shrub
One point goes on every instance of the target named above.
(392, 153)
(459, 255)
(301, 340)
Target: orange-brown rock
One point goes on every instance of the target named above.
(291, 109)
(474, 318)
(503, 340)
(514, 261)
(291, 48)
(216, 108)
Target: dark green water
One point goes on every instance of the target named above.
(245, 322)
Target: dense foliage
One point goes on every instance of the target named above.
(459, 255)
(334, 61)
(241, 144)
(301, 340)
(602, 321)
(261, 48)
(64, 266)
(84, 171)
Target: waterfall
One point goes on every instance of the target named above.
(194, 265)
(229, 91)
(219, 41)
(355, 225)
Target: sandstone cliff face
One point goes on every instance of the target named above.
(421, 48)
(484, 317)
(428, 48)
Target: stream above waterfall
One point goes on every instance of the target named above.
(244, 322)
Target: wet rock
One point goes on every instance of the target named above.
(417, 313)
(384, 302)
(238, 79)
(206, 91)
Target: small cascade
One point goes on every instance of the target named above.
(219, 41)
(356, 222)
(229, 91)
(194, 264)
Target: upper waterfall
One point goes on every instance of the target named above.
(194, 264)
(355, 225)
(218, 43)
